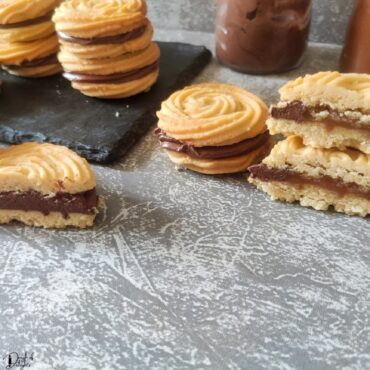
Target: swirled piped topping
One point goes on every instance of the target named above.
(98, 18)
(44, 168)
(212, 114)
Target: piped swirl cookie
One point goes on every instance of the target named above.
(214, 128)
(46, 185)
(106, 47)
(327, 109)
(28, 42)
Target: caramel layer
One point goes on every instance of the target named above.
(300, 113)
(341, 188)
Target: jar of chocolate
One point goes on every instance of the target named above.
(262, 36)
(356, 52)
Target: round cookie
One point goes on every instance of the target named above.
(86, 50)
(106, 47)
(221, 166)
(109, 66)
(214, 128)
(98, 18)
(28, 42)
(15, 12)
(118, 90)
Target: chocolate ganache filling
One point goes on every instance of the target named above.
(297, 111)
(28, 22)
(116, 39)
(40, 62)
(64, 203)
(341, 188)
(211, 152)
(113, 78)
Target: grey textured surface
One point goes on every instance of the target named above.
(184, 271)
(329, 19)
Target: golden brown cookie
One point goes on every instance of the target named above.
(88, 19)
(327, 110)
(28, 42)
(318, 178)
(106, 47)
(46, 185)
(214, 128)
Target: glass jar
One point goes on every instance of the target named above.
(262, 36)
(356, 52)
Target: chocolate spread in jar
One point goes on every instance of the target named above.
(262, 36)
(356, 52)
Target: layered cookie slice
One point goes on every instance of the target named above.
(46, 185)
(327, 110)
(317, 178)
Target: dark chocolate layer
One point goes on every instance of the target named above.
(64, 203)
(341, 188)
(114, 78)
(116, 39)
(297, 111)
(28, 22)
(211, 152)
(50, 59)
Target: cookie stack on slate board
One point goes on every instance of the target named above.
(325, 159)
(28, 42)
(106, 47)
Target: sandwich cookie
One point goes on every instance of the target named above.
(327, 110)
(316, 177)
(46, 185)
(28, 42)
(214, 128)
(106, 47)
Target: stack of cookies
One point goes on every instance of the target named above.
(28, 42)
(106, 47)
(325, 160)
(214, 128)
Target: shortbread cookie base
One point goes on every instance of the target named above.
(117, 90)
(317, 135)
(347, 166)
(220, 166)
(341, 91)
(28, 33)
(107, 66)
(16, 53)
(315, 197)
(52, 220)
(109, 50)
(35, 72)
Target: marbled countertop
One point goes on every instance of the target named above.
(185, 271)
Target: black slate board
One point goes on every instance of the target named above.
(49, 110)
